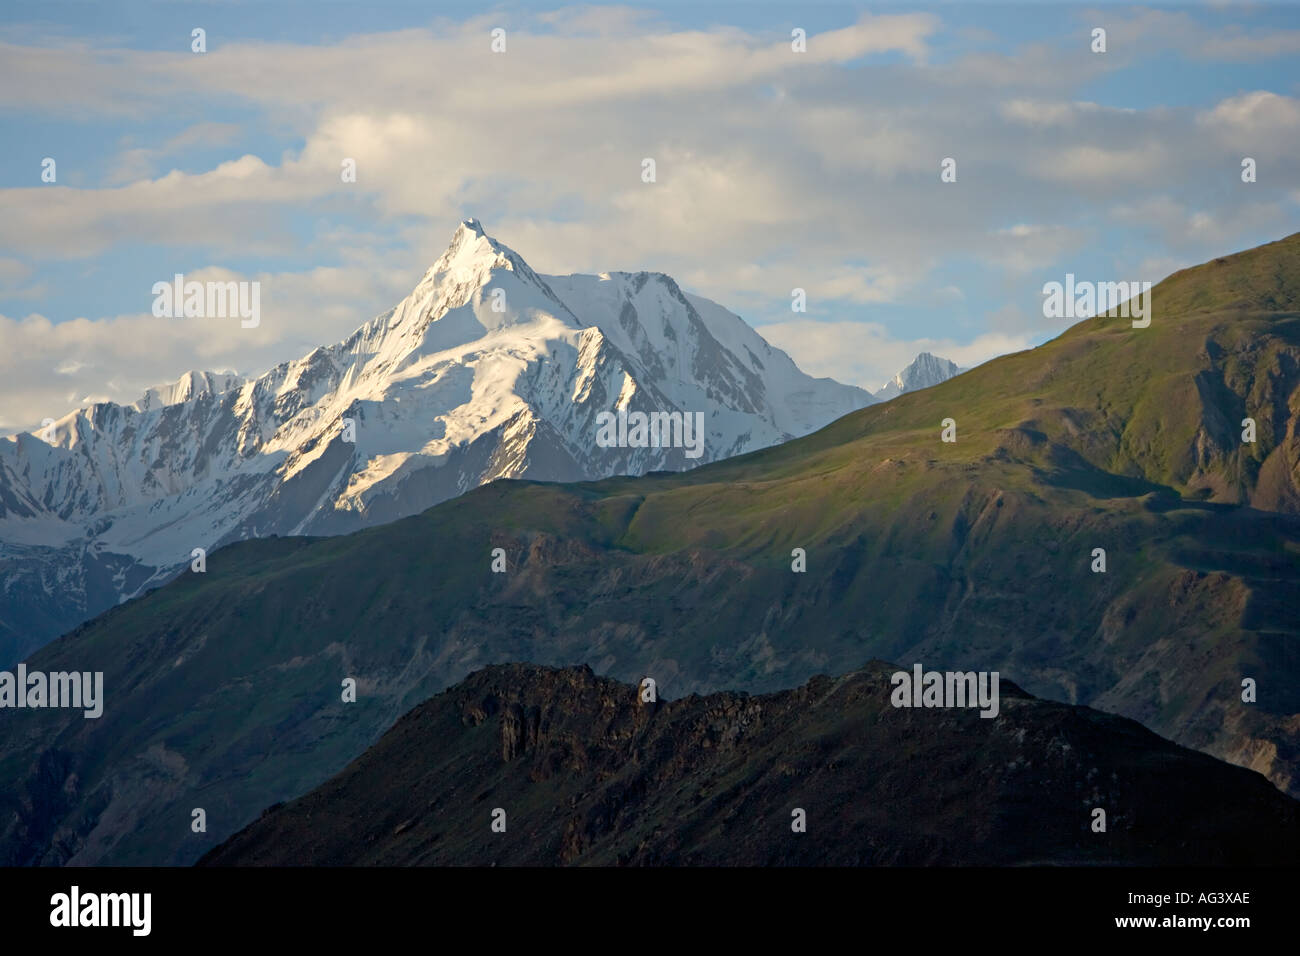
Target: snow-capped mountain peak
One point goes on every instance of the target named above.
(486, 370)
(473, 253)
(477, 269)
(925, 370)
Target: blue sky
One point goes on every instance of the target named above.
(775, 170)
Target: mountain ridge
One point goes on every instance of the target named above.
(481, 372)
(588, 773)
(978, 554)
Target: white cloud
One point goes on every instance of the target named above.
(1032, 112)
(1081, 164)
(1148, 30)
(1029, 247)
(865, 354)
(1260, 124)
(141, 162)
(1201, 231)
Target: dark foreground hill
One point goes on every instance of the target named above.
(589, 774)
(222, 689)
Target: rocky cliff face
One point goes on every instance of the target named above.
(588, 773)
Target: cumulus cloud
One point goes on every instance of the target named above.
(1261, 124)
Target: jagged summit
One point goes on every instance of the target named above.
(471, 252)
(471, 263)
(471, 243)
(190, 385)
(925, 370)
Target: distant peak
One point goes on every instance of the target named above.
(928, 360)
(923, 371)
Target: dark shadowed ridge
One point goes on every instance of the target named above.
(589, 774)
